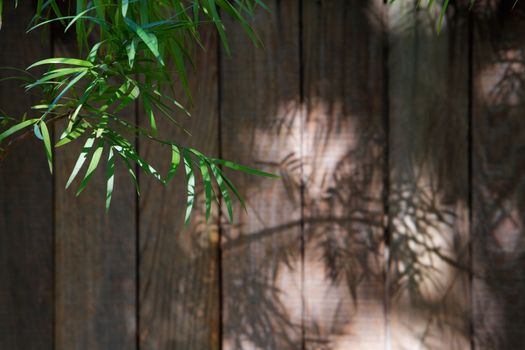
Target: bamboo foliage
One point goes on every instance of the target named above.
(136, 44)
(127, 49)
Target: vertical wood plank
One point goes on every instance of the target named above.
(260, 127)
(179, 286)
(26, 202)
(343, 173)
(428, 196)
(499, 175)
(95, 252)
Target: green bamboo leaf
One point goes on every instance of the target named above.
(124, 7)
(36, 131)
(224, 191)
(64, 71)
(43, 106)
(166, 112)
(72, 135)
(77, 17)
(190, 180)
(232, 11)
(102, 125)
(203, 165)
(91, 87)
(62, 60)
(127, 99)
(99, 6)
(243, 168)
(442, 15)
(173, 24)
(131, 171)
(96, 20)
(196, 12)
(110, 177)
(74, 115)
(149, 113)
(54, 74)
(47, 144)
(175, 161)
(17, 127)
(64, 90)
(24, 79)
(221, 180)
(68, 135)
(263, 5)
(214, 15)
(93, 52)
(80, 28)
(81, 159)
(232, 188)
(144, 12)
(126, 150)
(39, 5)
(131, 50)
(95, 159)
(174, 101)
(58, 13)
(148, 38)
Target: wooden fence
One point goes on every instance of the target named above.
(397, 224)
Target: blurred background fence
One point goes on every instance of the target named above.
(397, 223)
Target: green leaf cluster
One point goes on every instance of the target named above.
(125, 49)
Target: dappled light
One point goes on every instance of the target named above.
(412, 290)
(498, 238)
(397, 221)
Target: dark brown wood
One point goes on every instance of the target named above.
(341, 92)
(95, 252)
(428, 280)
(26, 202)
(343, 142)
(261, 127)
(179, 281)
(498, 130)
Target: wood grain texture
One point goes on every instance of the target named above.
(428, 278)
(343, 173)
(26, 202)
(95, 252)
(179, 281)
(305, 266)
(260, 127)
(499, 175)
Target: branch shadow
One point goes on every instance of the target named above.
(425, 269)
(499, 175)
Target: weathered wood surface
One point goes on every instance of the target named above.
(498, 131)
(261, 127)
(369, 118)
(428, 279)
(95, 252)
(26, 203)
(179, 280)
(342, 145)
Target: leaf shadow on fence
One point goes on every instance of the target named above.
(350, 259)
(340, 189)
(499, 175)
